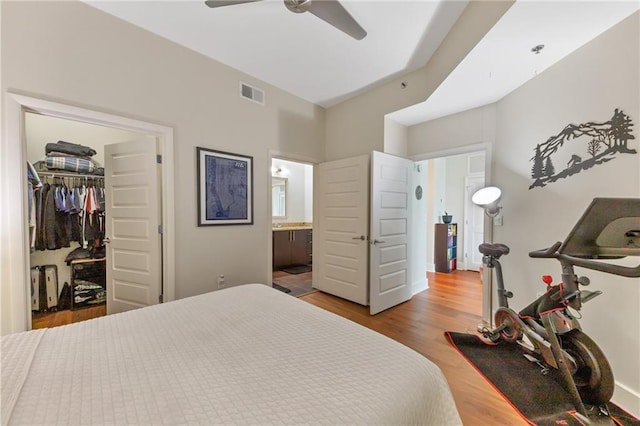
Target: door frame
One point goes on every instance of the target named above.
(15, 298)
(487, 278)
(298, 159)
(468, 206)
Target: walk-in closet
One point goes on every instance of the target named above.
(67, 218)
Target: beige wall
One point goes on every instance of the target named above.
(72, 53)
(446, 134)
(395, 138)
(586, 86)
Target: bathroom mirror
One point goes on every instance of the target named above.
(279, 196)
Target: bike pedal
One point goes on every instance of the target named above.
(488, 334)
(603, 410)
(543, 368)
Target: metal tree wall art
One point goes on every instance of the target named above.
(591, 144)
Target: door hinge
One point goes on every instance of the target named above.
(159, 159)
(160, 229)
(160, 299)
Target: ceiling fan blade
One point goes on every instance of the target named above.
(220, 3)
(334, 13)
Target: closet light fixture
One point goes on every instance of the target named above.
(279, 171)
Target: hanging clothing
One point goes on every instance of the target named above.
(54, 227)
(64, 212)
(33, 183)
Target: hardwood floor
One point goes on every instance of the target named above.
(453, 302)
(67, 316)
(299, 284)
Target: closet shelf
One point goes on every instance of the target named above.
(68, 174)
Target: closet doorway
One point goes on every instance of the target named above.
(16, 315)
(292, 226)
(68, 271)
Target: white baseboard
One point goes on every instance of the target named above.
(627, 399)
(419, 286)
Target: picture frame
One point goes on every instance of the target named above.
(225, 188)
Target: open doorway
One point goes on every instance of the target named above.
(69, 216)
(448, 181)
(17, 313)
(451, 180)
(292, 230)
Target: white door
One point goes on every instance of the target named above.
(134, 260)
(343, 211)
(390, 221)
(473, 224)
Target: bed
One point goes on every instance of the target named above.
(244, 355)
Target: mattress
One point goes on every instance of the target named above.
(244, 355)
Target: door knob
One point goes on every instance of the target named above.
(106, 240)
(361, 237)
(378, 241)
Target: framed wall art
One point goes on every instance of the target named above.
(225, 188)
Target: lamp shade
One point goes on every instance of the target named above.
(488, 199)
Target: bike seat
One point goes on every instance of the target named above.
(494, 250)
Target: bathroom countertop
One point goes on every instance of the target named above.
(291, 226)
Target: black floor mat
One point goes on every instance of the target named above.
(539, 398)
(297, 269)
(281, 288)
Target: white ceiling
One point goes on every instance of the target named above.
(502, 61)
(307, 57)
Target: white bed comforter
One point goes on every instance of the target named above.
(244, 355)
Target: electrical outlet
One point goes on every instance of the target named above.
(220, 281)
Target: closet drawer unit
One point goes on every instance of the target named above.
(88, 282)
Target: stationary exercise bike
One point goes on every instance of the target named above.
(609, 229)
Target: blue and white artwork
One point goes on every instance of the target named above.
(225, 188)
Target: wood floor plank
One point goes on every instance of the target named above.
(453, 302)
(67, 316)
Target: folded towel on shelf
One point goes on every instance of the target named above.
(73, 164)
(70, 148)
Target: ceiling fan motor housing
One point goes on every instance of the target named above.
(297, 6)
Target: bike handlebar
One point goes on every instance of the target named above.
(552, 252)
(547, 252)
(625, 271)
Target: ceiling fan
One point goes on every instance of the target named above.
(330, 11)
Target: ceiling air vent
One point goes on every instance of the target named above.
(252, 93)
